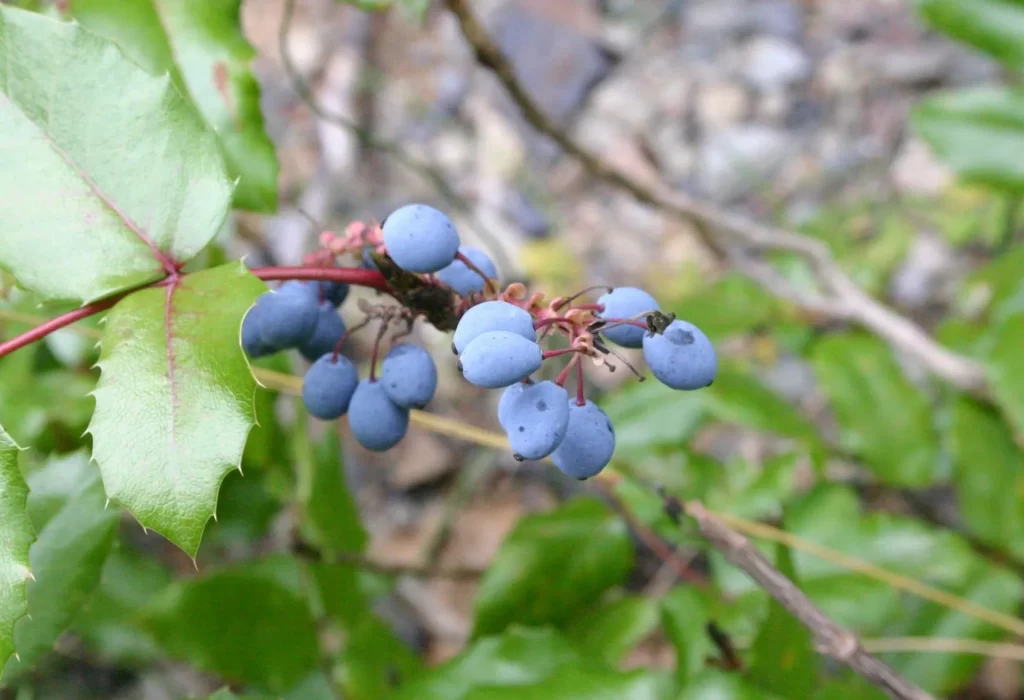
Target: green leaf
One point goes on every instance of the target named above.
(520, 658)
(737, 397)
(716, 685)
(575, 683)
(16, 536)
(883, 418)
(331, 514)
(226, 694)
(830, 515)
(989, 473)
(651, 417)
(731, 306)
(55, 482)
(175, 399)
(67, 561)
(552, 565)
(201, 45)
(783, 651)
(239, 623)
(105, 168)
(1005, 371)
(685, 616)
(993, 26)
(977, 131)
(375, 660)
(610, 630)
(127, 585)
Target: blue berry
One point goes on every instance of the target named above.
(289, 315)
(328, 386)
(508, 397)
(420, 238)
(626, 302)
(536, 419)
(376, 422)
(588, 444)
(682, 357)
(492, 316)
(409, 376)
(334, 292)
(499, 358)
(328, 332)
(461, 278)
(252, 342)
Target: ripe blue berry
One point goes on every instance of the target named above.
(328, 386)
(508, 397)
(409, 376)
(499, 358)
(588, 444)
(289, 315)
(682, 357)
(376, 422)
(420, 238)
(464, 280)
(329, 330)
(492, 316)
(536, 419)
(626, 302)
(252, 342)
(334, 292)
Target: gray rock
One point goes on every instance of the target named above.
(773, 63)
(557, 64)
(926, 274)
(740, 160)
(712, 21)
(781, 18)
(914, 64)
(721, 104)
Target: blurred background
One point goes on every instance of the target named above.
(889, 132)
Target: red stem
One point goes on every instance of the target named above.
(548, 354)
(613, 322)
(348, 275)
(580, 398)
(55, 324)
(588, 307)
(551, 320)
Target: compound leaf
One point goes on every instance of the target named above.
(174, 402)
(16, 535)
(106, 173)
(201, 45)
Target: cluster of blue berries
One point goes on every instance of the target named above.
(497, 339)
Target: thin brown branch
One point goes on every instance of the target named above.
(830, 639)
(849, 303)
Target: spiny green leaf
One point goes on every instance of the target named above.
(67, 560)
(978, 131)
(201, 45)
(882, 417)
(16, 535)
(993, 26)
(331, 514)
(175, 399)
(104, 168)
(240, 623)
(783, 651)
(552, 565)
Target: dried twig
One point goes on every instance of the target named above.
(830, 639)
(845, 300)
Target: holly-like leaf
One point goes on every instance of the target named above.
(175, 399)
(993, 26)
(552, 565)
(107, 176)
(783, 651)
(201, 45)
(977, 131)
(67, 560)
(610, 630)
(989, 475)
(331, 514)
(240, 623)
(882, 417)
(16, 535)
